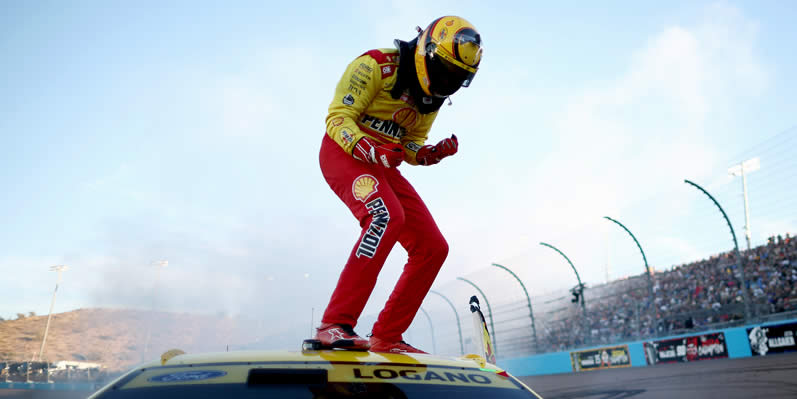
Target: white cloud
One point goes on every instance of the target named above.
(612, 145)
(531, 168)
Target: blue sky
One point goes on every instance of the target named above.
(131, 133)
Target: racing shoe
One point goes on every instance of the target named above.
(380, 345)
(340, 336)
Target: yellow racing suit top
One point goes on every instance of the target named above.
(363, 107)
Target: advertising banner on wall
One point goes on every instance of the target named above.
(601, 358)
(772, 339)
(686, 349)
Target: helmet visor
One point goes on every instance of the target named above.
(445, 78)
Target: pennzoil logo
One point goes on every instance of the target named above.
(388, 128)
(363, 187)
(346, 136)
(379, 220)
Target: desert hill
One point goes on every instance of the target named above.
(117, 338)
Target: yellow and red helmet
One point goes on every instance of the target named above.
(447, 56)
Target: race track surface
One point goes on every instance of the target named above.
(752, 377)
(748, 378)
(34, 394)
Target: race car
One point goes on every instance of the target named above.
(318, 374)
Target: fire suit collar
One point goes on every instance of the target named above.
(407, 80)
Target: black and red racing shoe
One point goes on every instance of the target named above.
(340, 336)
(380, 345)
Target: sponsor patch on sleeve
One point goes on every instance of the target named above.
(412, 146)
(346, 136)
(348, 99)
(388, 70)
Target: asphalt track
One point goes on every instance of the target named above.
(34, 394)
(753, 377)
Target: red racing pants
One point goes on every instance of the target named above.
(389, 210)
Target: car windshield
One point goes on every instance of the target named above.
(332, 390)
(316, 380)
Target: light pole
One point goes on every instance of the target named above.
(647, 268)
(585, 323)
(59, 269)
(160, 265)
(745, 297)
(750, 165)
(431, 328)
(489, 310)
(459, 328)
(528, 300)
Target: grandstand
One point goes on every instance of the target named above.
(697, 296)
(705, 293)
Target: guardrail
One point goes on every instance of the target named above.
(760, 339)
(52, 386)
(48, 377)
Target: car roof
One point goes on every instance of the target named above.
(176, 367)
(336, 356)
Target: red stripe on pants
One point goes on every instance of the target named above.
(408, 221)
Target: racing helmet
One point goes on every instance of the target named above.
(447, 56)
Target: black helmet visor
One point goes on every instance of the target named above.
(446, 78)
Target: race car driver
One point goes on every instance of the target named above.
(380, 117)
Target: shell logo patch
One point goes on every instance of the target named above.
(363, 187)
(405, 116)
(337, 121)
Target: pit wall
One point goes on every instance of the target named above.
(52, 386)
(736, 340)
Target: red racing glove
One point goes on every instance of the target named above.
(388, 155)
(430, 155)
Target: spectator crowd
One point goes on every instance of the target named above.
(697, 296)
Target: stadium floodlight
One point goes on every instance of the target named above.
(648, 274)
(456, 315)
(528, 301)
(748, 166)
(580, 289)
(739, 256)
(60, 269)
(431, 329)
